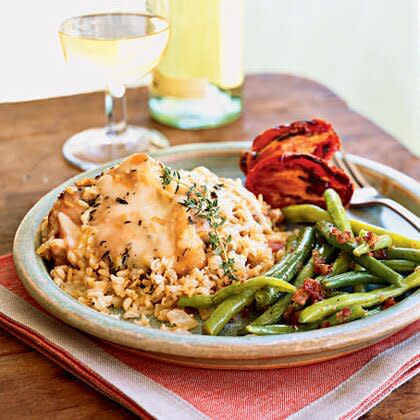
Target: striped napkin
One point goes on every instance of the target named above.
(342, 388)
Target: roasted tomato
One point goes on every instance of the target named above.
(315, 137)
(294, 178)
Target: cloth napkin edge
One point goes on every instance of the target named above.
(137, 385)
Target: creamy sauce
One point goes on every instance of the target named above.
(138, 219)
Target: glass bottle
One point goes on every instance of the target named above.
(198, 82)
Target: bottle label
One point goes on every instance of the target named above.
(163, 85)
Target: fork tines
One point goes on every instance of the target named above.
(342, 162)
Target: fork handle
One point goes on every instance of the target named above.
(399, 209)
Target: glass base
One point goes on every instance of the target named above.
(215, 109)
(94, 147)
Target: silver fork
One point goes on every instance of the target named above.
(366, 195)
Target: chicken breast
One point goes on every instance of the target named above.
(134, 216)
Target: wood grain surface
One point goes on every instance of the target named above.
(31, 137)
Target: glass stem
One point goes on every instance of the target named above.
(115, 110)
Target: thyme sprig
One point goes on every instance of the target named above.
(204, 204)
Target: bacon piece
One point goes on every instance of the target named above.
(341, 237)
(275, 244)
(295, 178)
(301, 296)
(320, 266)
(310, 291)
(291, 315)
(388, 303)
(313, 287)
(315, 137)
(344, 314)
(380, 254)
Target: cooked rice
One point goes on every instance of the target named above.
(138, 295)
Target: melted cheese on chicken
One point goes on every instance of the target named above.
(136, 218)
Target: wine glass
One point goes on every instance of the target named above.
(117, 48)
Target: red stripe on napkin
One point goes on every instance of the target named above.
(263, 394)
(69, 363)
(404, 373)
(279, 391)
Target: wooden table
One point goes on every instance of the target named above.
(31, 137)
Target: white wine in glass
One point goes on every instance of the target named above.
(117, 48)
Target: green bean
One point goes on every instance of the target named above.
(307, 271)
(266, 297)
(305, 213)
(355, 312)
(304, 246)
(275, 312)
(359, 288)
(254, 283)
(397, 238)
(294, 266)
(291, 243)
(235, 327)
(371, 264)
(195, 301)
(374, 310)
(280, 328)
(308, 327)
(336, 211)
(280, 265)
(327, 307)
(308, 213)
(234, 289)
(382, 241)
(401, 266)
(227, 310)
(286, 271)
(381, 270)
(338, 216)
(270, 329)
(351, 278)
(405, 254)
(341, 264)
